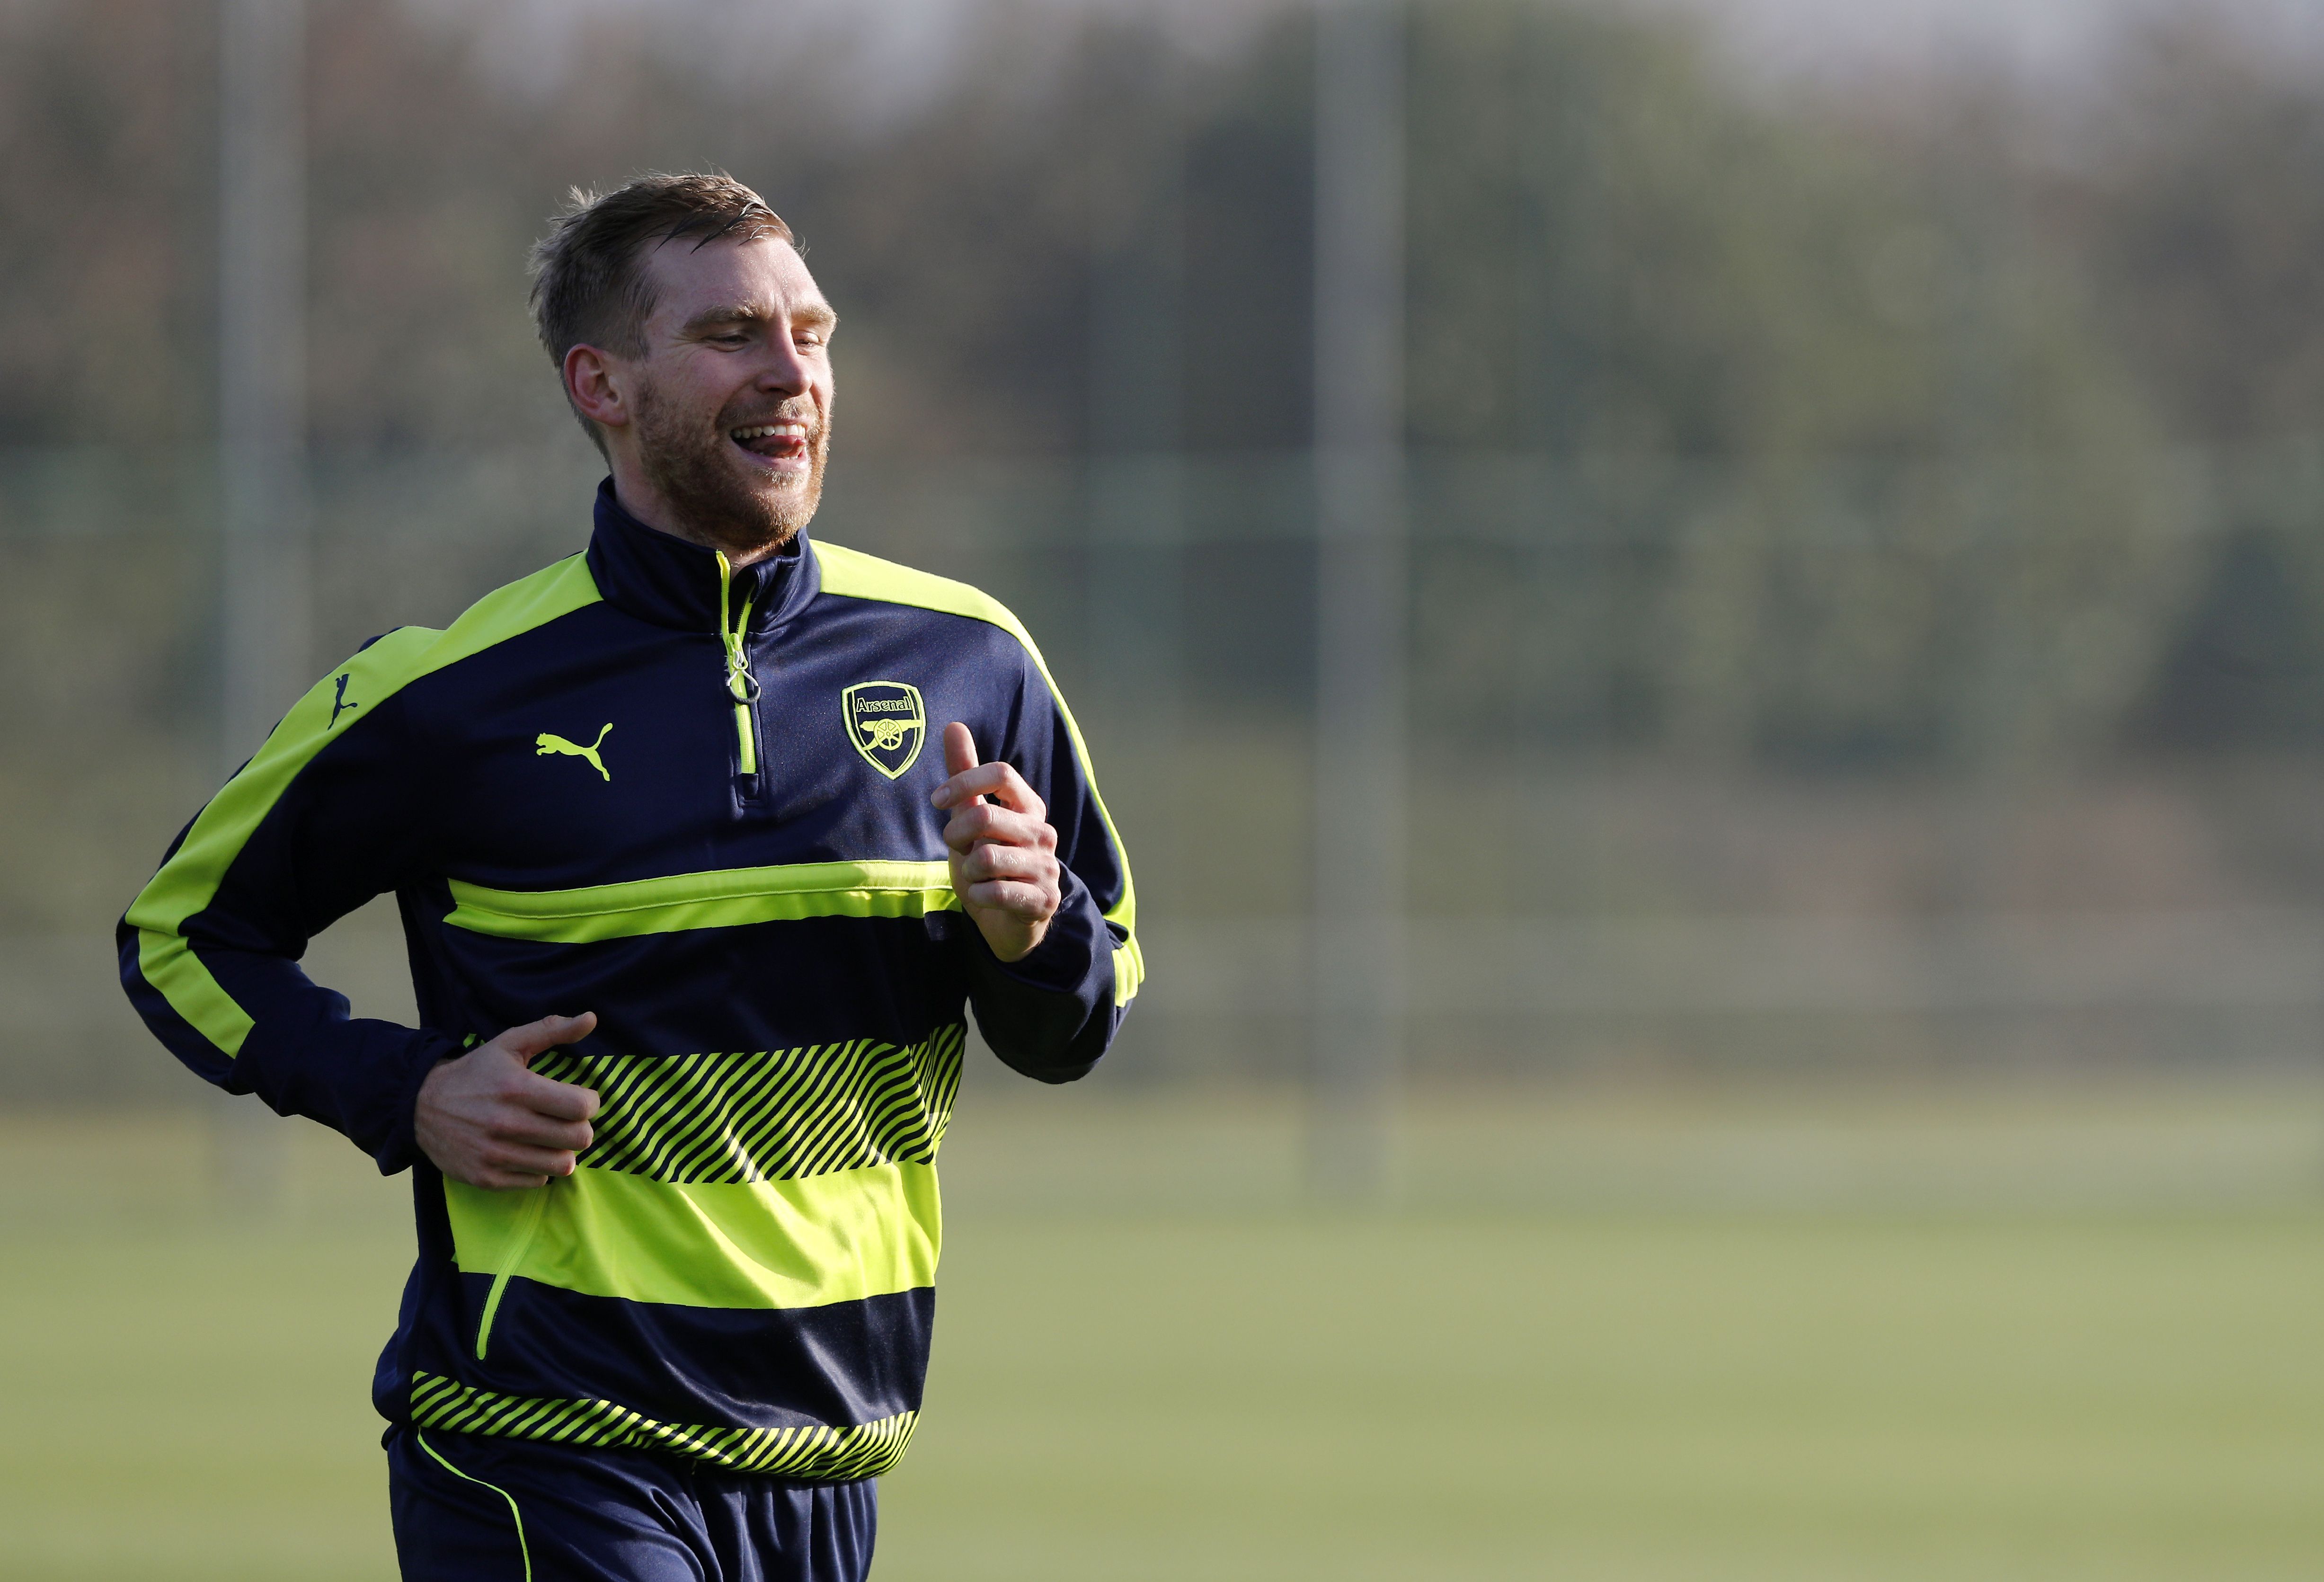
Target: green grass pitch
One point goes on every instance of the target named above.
(1140, 1378)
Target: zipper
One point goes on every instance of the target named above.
(527, 1225)
(740, 685)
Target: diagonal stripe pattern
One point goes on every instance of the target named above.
(772, 1115)
(811, 1451)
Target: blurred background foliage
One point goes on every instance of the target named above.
(1890, 495)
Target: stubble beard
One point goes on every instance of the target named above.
(713, 497)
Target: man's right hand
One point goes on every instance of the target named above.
(487, 1120)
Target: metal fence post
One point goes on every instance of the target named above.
(1357, 937)
(265, 580)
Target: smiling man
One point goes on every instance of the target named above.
(696, 911)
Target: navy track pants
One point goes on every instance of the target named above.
(475, 1508)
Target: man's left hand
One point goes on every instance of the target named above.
(1004, 855)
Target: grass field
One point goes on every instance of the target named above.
(2011, 1337)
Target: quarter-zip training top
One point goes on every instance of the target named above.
(693, 798)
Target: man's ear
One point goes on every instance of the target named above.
(595, 385)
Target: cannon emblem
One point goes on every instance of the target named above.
(887, 732)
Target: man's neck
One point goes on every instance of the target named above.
(647, 504)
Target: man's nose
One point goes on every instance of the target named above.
(785, 372)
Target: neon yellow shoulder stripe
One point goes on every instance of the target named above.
(852, 574)
(189, 880)
(719, 899)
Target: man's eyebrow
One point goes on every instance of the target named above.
(815, 316)
(725, 313)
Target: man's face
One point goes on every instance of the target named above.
(732, 397)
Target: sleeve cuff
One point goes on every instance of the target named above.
(399, 1150)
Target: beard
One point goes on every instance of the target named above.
(732, 507)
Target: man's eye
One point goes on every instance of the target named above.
(732, 338)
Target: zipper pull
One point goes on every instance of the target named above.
(740, 685)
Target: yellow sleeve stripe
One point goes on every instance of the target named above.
(178, 975)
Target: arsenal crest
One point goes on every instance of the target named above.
(887, 722)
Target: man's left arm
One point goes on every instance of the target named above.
(1054, 960)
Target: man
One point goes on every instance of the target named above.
(682, 877)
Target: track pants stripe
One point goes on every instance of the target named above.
(514, 1514)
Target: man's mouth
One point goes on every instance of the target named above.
(781, 447)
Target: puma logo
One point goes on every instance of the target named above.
(339, 704)
(550, 742)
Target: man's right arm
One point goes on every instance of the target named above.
(332, 811)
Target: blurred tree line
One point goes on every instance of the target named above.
(1944, 422)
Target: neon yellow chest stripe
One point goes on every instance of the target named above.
(721, 898)
(798, 1244)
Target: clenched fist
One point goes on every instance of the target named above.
(1003, 852)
